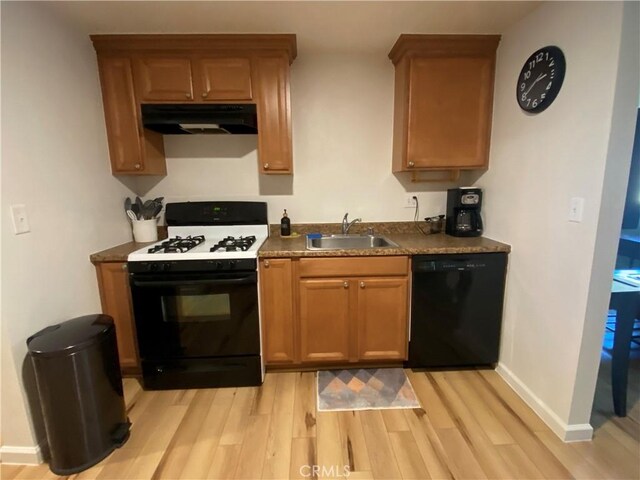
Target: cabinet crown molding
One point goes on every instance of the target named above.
(443, 45)
(241, 42)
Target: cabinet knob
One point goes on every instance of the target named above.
(204, 94)
(137, 166)
(188, 95)
(411, 164)
(361, 284)
(266, 166)
(266, 264)
(124, 266)
(345, 284)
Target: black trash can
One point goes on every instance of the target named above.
(80, 388)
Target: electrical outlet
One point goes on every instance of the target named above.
(410, 201)
(19, 219)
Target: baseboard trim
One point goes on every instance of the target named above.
(21, 455)
(566, 432)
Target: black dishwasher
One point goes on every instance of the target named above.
(456, 310)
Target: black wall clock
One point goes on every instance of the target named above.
(540, 79)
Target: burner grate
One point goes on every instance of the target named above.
(177, 244)
(232, 244)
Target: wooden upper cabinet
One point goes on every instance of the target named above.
(223, 68)
(218, 79)
(274, 114)
(132, 150)
(443, 101)
(192, 78)
(163, 79)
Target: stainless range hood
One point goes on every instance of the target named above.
(181, 119)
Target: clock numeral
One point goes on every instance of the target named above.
(543, 96)
(546, 55)
(552, 62)
(532, 64)
(549, 86)
(522, 85)
(539, 57)
(534, 104)
(523, 97)
(527, 74)
(528, 102)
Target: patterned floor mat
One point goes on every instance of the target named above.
(365, 389)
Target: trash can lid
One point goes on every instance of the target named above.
(70, 336)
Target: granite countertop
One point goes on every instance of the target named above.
(408, 244)
(117, 254)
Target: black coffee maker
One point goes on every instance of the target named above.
(463, 212)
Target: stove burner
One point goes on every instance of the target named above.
(231, 244)
(177, 244)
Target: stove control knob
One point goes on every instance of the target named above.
(153, 267)
(219, 265)
(232, 263)
(166, 266)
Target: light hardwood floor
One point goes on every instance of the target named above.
(472, 426)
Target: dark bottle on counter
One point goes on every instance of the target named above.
(285, 225)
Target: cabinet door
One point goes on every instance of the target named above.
(382, 318)
(161, 79)
(324, 320)
(120, 114)
(276, 300)
(113, 281)
(449, 118)
(222, 78)
(274, 114)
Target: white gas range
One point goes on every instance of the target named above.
(205, 242)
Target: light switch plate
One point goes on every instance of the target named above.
(19, 219)
(576, 209)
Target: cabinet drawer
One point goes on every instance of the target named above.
(353, 267)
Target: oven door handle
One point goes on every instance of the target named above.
(183, 283)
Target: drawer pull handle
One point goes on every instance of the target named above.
(345, 284)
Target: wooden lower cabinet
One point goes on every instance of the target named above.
(382, 318)
(311, 315)
(276, 303)
(324, 320)
(115, 296)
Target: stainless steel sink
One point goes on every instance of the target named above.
(345, 242)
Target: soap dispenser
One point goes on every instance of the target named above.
(285, 225)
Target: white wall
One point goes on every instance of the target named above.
(342, 128)
(54, 160)
(538, 162)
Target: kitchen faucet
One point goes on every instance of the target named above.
(346, 225)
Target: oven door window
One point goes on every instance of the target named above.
(194, 316)
(195, 307)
